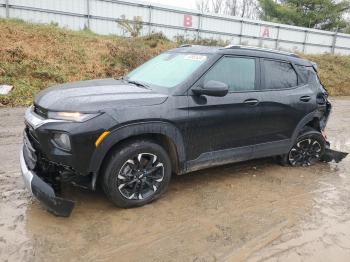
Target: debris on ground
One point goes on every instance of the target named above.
(5, 89)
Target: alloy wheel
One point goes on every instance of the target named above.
(140, 176)
(305, 153)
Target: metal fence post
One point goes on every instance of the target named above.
(277, 37)
(305, 39)
(334, 42)
(240, 33)
(149, 19)
(199, 25)
(261, 43)
(88, 13)
(7, 3)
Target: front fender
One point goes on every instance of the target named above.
(154, 127)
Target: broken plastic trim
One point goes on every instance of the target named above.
(44, 192)
(332, 155)
(46, 195)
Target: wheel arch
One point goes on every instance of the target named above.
(165, 134)
(311, 120)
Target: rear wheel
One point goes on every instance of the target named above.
(136, 174)
(307, 150)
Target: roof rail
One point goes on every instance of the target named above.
(260, 49)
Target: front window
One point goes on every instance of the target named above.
(168, 69)
(237, 72)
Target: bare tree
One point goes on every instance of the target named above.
(249, 8)
(203, 6)
(217, 6)
(231, 7)
(242, 8)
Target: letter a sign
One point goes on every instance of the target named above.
(187, 21)
(265, 32)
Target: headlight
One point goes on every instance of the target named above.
(62, 140)
(71, 116)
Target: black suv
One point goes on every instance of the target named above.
(187, 109)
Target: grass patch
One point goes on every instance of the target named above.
(35, 56)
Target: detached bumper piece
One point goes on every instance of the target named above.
(330, 155)
(43, 191)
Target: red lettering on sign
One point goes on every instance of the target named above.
(266, 32)
(187, 21)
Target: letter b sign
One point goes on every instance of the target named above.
(187, 21)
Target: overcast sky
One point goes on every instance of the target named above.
(191, 4)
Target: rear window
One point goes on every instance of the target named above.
(308, 74)
(279, 75)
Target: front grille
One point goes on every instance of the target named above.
(31, 133)
(40, 111)
(29, 153)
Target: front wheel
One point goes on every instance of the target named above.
(136, 174)
(307, 150)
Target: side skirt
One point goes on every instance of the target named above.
(234, 155)
(221, 157)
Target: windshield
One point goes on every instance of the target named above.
(167, 70)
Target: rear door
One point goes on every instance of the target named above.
(284, 101)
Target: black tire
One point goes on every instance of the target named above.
(307, 149)
(122, 168)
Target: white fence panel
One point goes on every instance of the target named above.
(212, 24)
(267, 43)
(343, 40)
(72, 6)
(71, 22)
(101, 16)
(174, 19)
(309, 49)
(326, 39)
(2, 8)
(116, 10)
(105, 27)
(291, 35)
(339, 51)
(287, 46)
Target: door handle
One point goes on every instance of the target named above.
(305, 98)
(251, 102)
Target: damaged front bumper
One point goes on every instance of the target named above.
(43, 191)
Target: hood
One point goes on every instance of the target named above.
(95, 95)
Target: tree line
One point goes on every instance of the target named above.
(331, 15)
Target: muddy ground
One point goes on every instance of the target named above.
(253, 211)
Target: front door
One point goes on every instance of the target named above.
(224, 128)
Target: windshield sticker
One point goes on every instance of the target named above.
(196, 57)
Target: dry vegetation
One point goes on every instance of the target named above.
(334, 72)
(33, 57)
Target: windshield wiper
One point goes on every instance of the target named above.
(136, 83)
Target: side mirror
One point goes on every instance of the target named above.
(212, 88)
